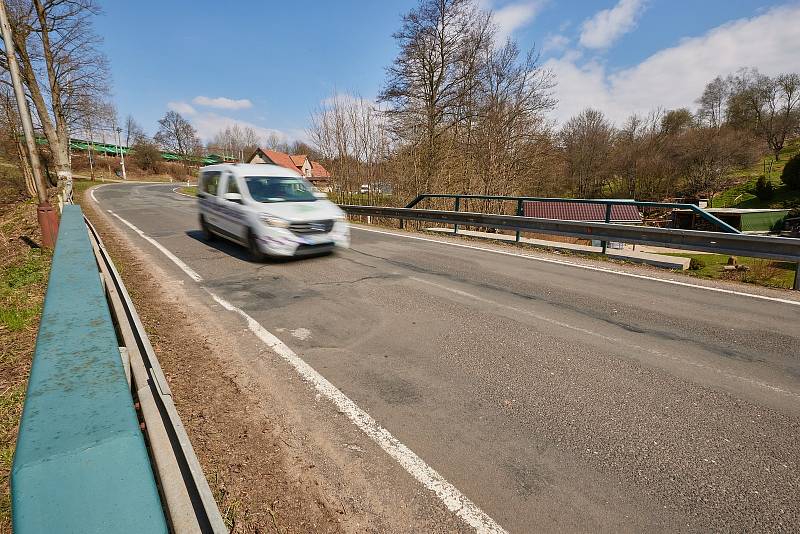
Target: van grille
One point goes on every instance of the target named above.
(311, 227)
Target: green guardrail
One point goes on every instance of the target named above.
(81, 464)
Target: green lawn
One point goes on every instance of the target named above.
(762, 272)
(742, 195)
(190, 190)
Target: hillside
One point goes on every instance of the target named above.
(742, 195)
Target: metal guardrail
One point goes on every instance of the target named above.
(81, 462)
(768, 247)
(187, 497)
(608, 203)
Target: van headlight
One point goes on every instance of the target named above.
(276, 222)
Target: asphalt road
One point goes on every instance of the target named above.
(556, 398)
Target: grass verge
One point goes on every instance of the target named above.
(761, 272)
(23, 280)
(743, 194)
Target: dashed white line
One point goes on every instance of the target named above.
(455, 501)
(587, 267)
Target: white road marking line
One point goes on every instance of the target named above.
(455, 501)
(588, 267)
(182, 194)
(451, 497)
(177, 261)
(614, 340)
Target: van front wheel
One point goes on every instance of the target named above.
(256, 254)
(208, 235)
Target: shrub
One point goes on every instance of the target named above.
(764, 189)
(791, 173)
(695, 264)
(146, 156)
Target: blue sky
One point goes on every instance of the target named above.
(269, 64)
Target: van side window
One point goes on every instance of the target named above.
(233, 187)
(210, 182)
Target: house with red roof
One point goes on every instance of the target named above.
(313, 171)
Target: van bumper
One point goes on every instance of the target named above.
(281, 242)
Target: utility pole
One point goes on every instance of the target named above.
(121, 153)
(48, 222)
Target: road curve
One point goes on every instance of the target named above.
(555, 398)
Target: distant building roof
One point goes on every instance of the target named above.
(565, 210)
(299, 159)
(318, 171)
(293, 162)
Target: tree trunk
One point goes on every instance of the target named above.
(61, 149)
(60, 157)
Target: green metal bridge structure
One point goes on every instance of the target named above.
(110, 149)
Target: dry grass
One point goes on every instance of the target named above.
(23, 279)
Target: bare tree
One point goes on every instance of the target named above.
(712, 102)
(440, 49)
(60, 66)
(177, 135)
(587, 141)
(133, 132)
(512, 97)
(351, 136)
(770, 107)
(12, 140)
(235, 141)
(706, 157)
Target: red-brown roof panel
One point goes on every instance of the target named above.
(579, 211)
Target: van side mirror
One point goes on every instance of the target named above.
(320, 194)
(233, 197)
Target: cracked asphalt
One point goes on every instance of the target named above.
(555, 398)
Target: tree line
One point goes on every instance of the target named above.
(462, 111)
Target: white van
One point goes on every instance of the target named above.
(271, 210)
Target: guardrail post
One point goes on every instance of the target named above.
(796, 286)
(608, 220)
(520, 213)
(458, 205)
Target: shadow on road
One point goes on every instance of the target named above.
(241, 253)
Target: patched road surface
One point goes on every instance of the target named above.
(554, 398)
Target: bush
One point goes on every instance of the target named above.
(695, 264)
(764, 189)
(146, 156)
(791, 173)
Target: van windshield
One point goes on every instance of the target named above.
(279, 189)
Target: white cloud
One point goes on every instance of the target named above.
(512, 17)
(675, 77)
(555, 43)
(222, 102)
(608, 25)
(208, 124)
(181, 107)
